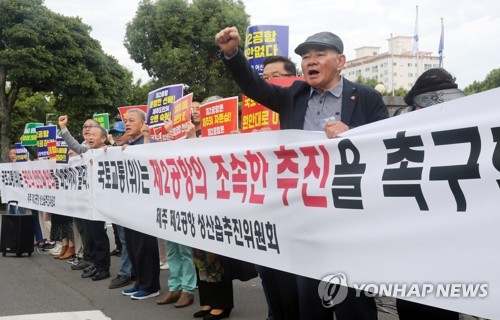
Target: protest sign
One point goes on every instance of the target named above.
(161, 102)
(103, 119)
(264, 41)
(29, 135)
(219, 117)
(181, 115)
(45, 134)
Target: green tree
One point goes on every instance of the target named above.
(491, 81)
(370, 82)
(174, 41)
(46, 52)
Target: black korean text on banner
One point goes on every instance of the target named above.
(404, 154)
(496, 153)
(128, 176)
(453, 173)
(346, 183)
(247, 233)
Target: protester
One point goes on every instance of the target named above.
(142, 248)
(80, 224)
(195, 117)
(97, 237)
(432, 87)
(62, 230)
(324, 101)
(8, 208)
(125, 274)
(162, 251)
(216, 274)
(278, 67)
(182, 280)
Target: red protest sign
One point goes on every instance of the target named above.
(255, 116)
(181, 115)
(219, 117)
(123, 110)
(52, 147)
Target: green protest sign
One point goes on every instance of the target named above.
(103, 119)
(29, 135)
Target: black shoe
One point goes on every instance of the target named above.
(115, 252)
(223, 315)
(202, 313)
(82, 265)
(120, 281)
(89, 272)
(100, 275)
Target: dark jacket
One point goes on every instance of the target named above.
(360, 104)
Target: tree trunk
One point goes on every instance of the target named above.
(7, 101)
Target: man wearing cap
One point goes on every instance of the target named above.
(124, 276)
(325, 101)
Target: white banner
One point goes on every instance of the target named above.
(410, 202)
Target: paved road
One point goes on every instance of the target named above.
(40, 284)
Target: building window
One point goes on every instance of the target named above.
(410, 74)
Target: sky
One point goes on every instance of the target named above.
(471, 28)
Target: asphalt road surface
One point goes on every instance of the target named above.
(42, 288)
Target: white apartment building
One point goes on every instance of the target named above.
(398, 61)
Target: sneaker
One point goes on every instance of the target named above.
(48, 246)
(143, 294)
(89, 272)
(164, 266)
(130, 291)
(81, 265)
(120, 281)
(74, 260)
(57, 248)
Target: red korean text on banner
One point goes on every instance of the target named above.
(181, 115)
(219, 117)
(123, 110)
(255, 116)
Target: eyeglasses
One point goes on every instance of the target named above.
(88, 127)
(118, 134)
(276, 75)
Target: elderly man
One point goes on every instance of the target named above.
(124, 276)
(97, 236)
(142, 248)
(325, 101)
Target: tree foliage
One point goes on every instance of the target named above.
(42, 51)
(370, 82)
(174, 41)
(491, 81)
